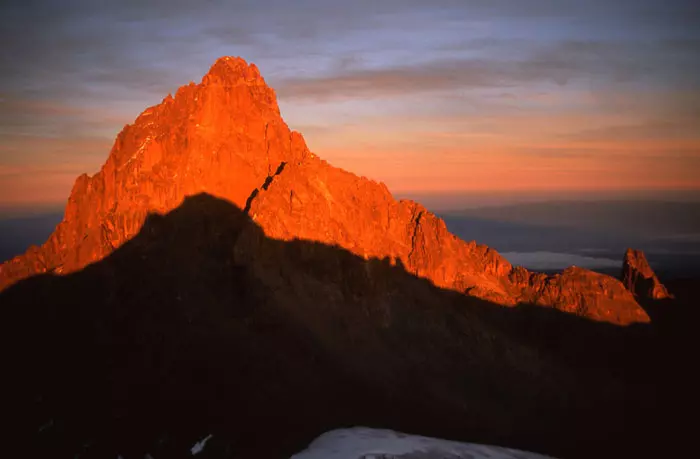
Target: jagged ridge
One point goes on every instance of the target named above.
(225, 136)
(640, 279)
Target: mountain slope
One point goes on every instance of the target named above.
(201, 324)
(225, 136)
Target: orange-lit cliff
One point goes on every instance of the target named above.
(225, 136)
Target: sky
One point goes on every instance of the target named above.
(439, 97)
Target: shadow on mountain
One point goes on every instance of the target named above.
(202, 325)
(671, 315)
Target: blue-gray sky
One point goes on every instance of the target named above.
(440, 96)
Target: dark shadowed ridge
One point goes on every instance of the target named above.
(201, 324)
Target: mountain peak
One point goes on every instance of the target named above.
(226, 137)
(231, 70)
(640, 279)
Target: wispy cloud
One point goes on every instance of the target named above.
(660, 130)
(448, 79)
(600, 63)
(558, 261)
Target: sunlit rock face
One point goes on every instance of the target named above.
(225, 136)
(640, 279)
(366, 443)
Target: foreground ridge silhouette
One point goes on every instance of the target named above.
(225, 136)
(202, 324)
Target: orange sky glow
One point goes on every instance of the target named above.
(437, 97)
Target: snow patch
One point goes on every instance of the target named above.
(199, 446)
(366, 443)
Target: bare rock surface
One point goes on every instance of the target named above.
(225, 136)
(640, 279)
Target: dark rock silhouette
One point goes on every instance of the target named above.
(201, 324)
(640, 279)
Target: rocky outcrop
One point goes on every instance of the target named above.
(581, 292)
(315, 201)
(225, 136)
(640, 279)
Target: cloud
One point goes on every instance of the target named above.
(32, 155)
(601, 63)
(442, 75)
(399, 80)
(665, 130)
(81, 48)
(550, 261)
(82, 68)
(23, 119)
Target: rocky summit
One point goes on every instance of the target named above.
(225, 137)
(218, 287)
(640, 279)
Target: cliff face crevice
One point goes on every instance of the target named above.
(225, 136)
(416, 242)
(264, 186)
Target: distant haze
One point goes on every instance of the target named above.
(592, 234)
(552, 261)
(18, 231)
(458, 201)
(543, 236)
